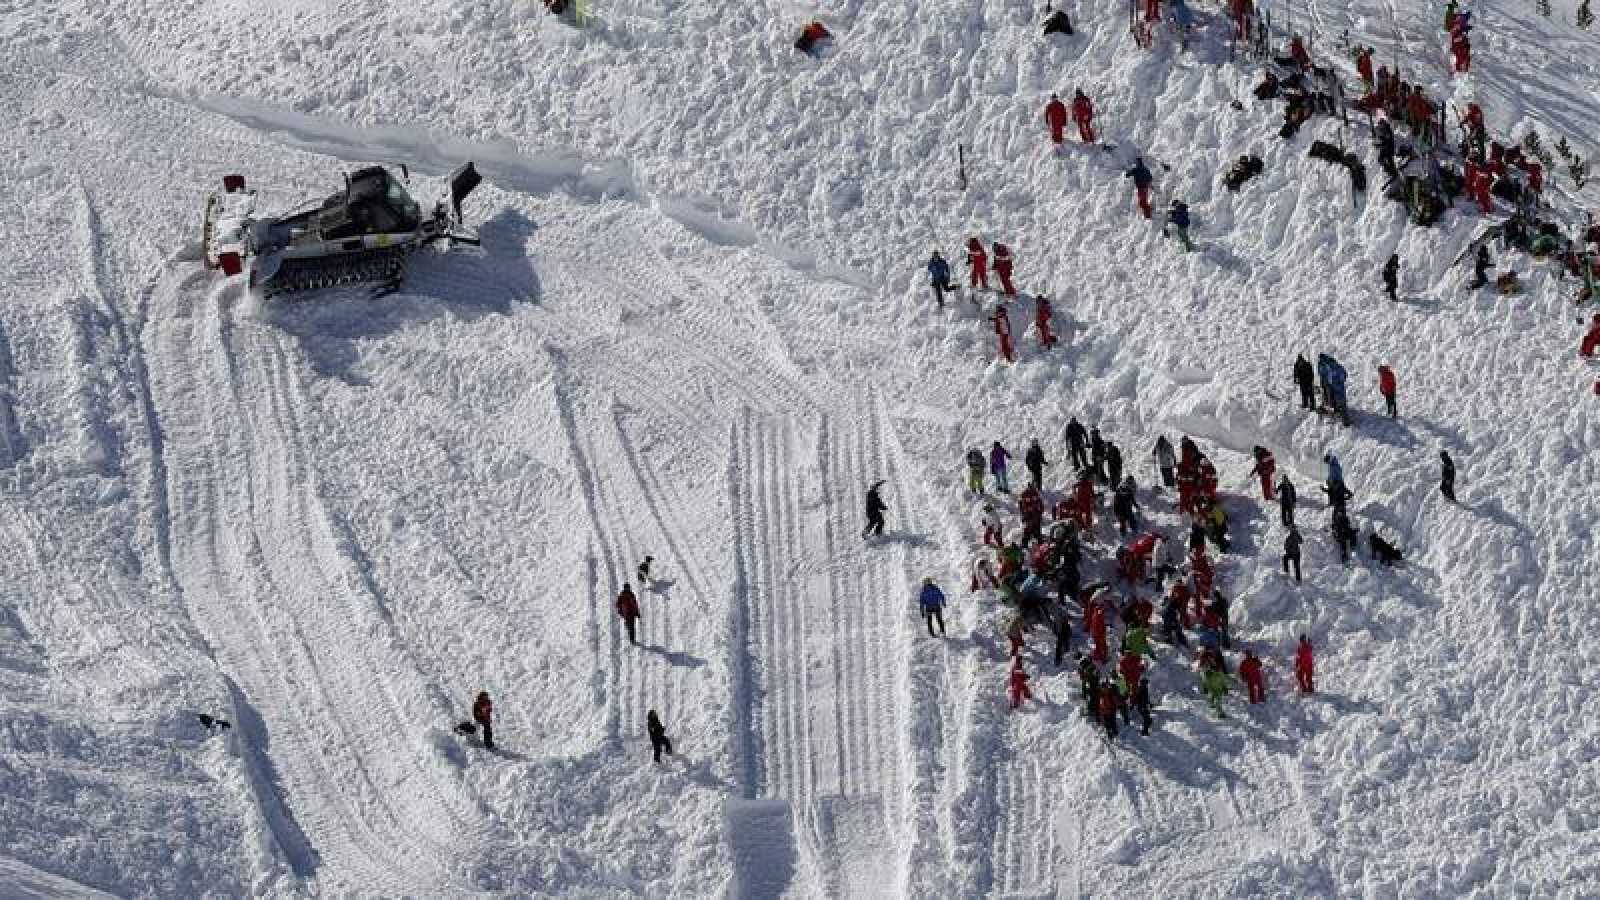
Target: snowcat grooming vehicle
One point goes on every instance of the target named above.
(360, 235)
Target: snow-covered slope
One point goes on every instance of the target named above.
(697, 329)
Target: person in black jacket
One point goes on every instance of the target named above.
(1447, 476)
(1291, 552)
(1113, 464)
(1480, 267)
(1035, 461)
(1306, 378)
(1077, 444)
(1344, 534)
(1286, 501)
(1391, 276)
(658, 735)
(875, 510)
(1097, 454)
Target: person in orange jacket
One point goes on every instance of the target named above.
(1255, 677)
(977, 265)
(1305, 666)
(1002, 267)
(628, 609)
(1386, 387)
(1084, 498)
(1018, 680)
(483, 714)
(1083, 116)
(1055, 116)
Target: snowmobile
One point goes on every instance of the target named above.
(360, 235)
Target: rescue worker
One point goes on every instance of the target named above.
(1286, 501)
(1387, 387)
(1254, 675)
(1166, 461)
(1002, 267)
(1142, 180)
(875, 510)
(1291, 551)
(1055, 116)
(1305, 667)
(1266, 466)
(628, 610)
(977, 265)
(931, 599)
(939, 277)
(659, 742)
(997, 467)
(1083, 116)
(1002, 330)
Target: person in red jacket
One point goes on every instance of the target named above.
(977, 264)
(1255, 677)
(1305, 666)
(1535, 175)
(1266, 466)
(1364, 67)
(1031, 506)
(1019, 684)
(1461, 49)
(1041, 321)
(1083, 495)
(483, 714)
(1386, 387)
(1478, 182)
(1083, 116)
(1591, 341)
(1152, 10)
(1002, 267)
(1297, 52)
(1002, 330)
(1097, 631)
(628, 609)
(1106, 705)
(1132, 668)
(1208, 479)
(1055, 116)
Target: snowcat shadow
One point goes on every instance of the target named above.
(301, 855)
(1243, 527)
(661, 587)
(910, 539)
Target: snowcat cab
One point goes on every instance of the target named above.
(361, 234)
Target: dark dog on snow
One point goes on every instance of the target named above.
(466, 729)
(212, 723)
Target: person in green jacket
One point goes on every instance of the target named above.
(1137, 640)
(1215, 685)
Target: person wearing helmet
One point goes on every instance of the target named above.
(1055, 116)
(483, 714)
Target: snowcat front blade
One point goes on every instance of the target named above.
(462, 182)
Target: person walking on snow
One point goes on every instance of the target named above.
(1113, 464)
(1002, 330)
(1447, 476)
(1364, 67)
(1142, 180)
(1254, 675)
(659, 742)
(1166, 461)
(1055, 116)
(993, 531)
(1002, 267)
(483, 714)
(1106, 706)
(1018, 681)
(939, 277)
(1391, 277)
(628, 610)
(1083, 116)
(1480, 267)
(1063, 629)
(1035, 461)
(1305, 377)
(1286, 501)
(1265, 468)
(1083, 500)
(1077, 444)
(997, 467)
(1214, 682)
(1305, 666)
(1125, 505)
(1297, 52)
(1291, 552)
(875, 510)
(1461, 49)
(977, 265)
(1097, 454)
(975, 471)
(1178, 218)
(1041, 321)
(932, 602)
(1141, 704)
(1387, 387)
(1088, 683)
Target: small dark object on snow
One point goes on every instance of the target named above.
(1329, 153)
(1057, 23)
(212, 723)
(1244, 168)
(466, 729)
(1382, 550)
(813, 38)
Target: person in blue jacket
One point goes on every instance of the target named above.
(932, 602)
(1178, 218)
(939, 277)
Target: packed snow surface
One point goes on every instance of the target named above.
(698, 328)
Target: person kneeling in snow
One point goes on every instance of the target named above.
(814, 38)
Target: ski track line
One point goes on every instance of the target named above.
(332, 746)
(657, 501)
